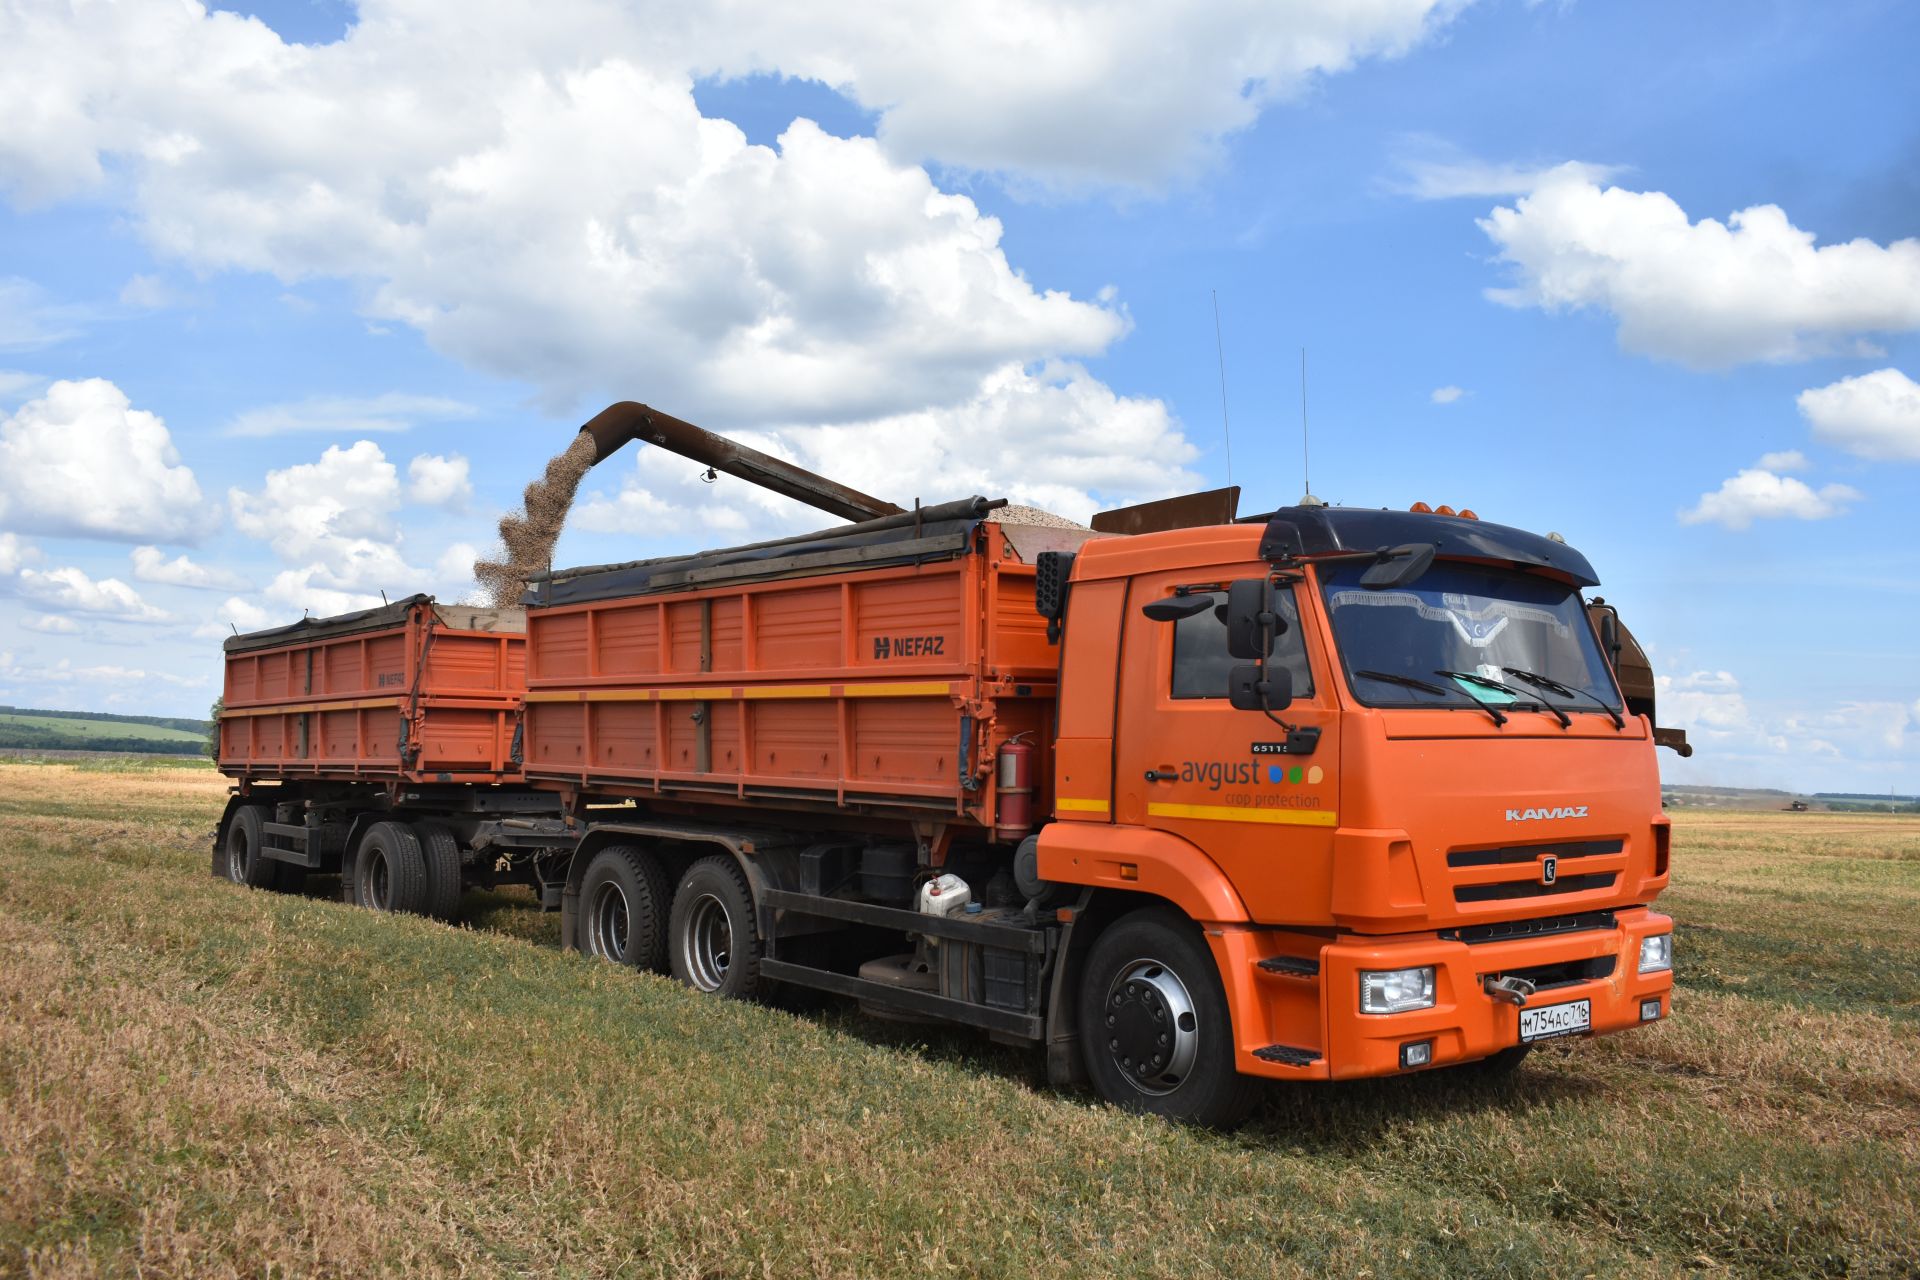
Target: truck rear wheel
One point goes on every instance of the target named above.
(623, 916)
(390, 872)
(246, 838)
(714, 944)
(442, 854)
(1154, 1028)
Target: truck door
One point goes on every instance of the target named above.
(1186, 762)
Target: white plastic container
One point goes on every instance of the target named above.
(944, 895)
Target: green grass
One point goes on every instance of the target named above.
(85, 729)
(198, 1079)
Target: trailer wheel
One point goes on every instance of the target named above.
(714, 944)
(391, 872)
(442, 854)
(246, 837)
(1154, 1028)
(623, 908)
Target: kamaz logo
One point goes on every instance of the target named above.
(1536, 815)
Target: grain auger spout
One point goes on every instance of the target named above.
(618, 423)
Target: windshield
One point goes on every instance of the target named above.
(1461, 621)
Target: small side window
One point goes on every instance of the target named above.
(1200, 660)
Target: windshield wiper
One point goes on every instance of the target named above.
(1410, 682)
(1566, 691)
(1487, 682)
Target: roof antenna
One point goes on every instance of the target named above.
(1220, 349)
(1306, 457)
(383, 596)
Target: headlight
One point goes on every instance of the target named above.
(1656, 953)
(1396, 990)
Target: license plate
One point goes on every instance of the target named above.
(1553, 1020)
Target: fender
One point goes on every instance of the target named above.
(1140, 860)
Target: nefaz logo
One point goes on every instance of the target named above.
(386, 678)
(1537, 815)
(885, 647)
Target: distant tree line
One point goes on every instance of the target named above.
(33, 737)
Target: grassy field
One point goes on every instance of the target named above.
(70, 733)
(199, 1080)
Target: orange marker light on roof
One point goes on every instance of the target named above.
(1421, 509)
(1443, 510)
(1467, 514)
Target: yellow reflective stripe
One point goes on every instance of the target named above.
(727, 693)
(911, 689)
(1069, 805)
(1229, 813)
(307, 708)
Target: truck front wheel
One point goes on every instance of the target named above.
(714, 944)
(1154, 1029)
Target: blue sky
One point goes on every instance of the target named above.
(235, 246)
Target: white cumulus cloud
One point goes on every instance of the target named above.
(347, 415)
(150, 564)
(51, 624)
(1875, 415)
(15, 553)
(434, 481)
(82, 461)
(1706, 294)
(332, 523)
(1446, 395)
(1762, 493)
(71, 589)
(537, 193)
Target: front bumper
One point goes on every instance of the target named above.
(1466, 1022)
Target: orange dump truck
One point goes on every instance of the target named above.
(1317, 795)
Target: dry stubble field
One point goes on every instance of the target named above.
(199, 1080)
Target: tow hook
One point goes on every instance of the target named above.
(1506, 987)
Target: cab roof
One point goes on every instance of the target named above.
(1311, 531)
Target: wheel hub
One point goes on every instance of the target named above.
(708, 943)
(609, 934)
(1150, 1029)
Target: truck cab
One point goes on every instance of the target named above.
(1382, 761)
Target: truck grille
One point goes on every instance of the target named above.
(1508, 930)
(1516, 873)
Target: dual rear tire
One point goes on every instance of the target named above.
(702, 930)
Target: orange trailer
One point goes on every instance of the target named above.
(410, 692)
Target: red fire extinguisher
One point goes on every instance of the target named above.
(1013, 786)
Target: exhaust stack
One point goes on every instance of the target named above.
(618, 423)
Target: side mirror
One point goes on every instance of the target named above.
(1398, 567)
(1254, 686)
(1174, 608)
(1610, 636)
(1251, 622)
